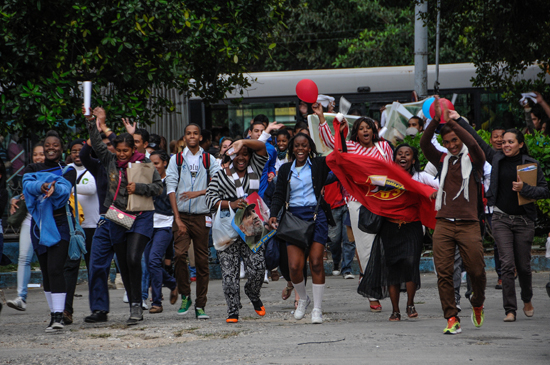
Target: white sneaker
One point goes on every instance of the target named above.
(335, 272)
(349, 275)
(316, 316)
(266, 279)
(17, 304)
(243, 273)
(125, 297)
(302, 307)
(144, 305)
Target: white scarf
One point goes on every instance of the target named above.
(466, 170)
(253, 181)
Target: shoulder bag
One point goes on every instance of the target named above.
(294, 230)
(116, 215)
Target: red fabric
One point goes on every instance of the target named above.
(401, 197)
(137, 156)
(333, 195)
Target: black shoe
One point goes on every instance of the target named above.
(56, 323)
(136, 314)
(96, 316)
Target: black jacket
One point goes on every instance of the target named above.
(494, 158)
(319, 173)
(162, 203)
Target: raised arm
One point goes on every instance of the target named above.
(254, 144)
(488, 150)
(324, 129)
(476, 153)
(429, 150)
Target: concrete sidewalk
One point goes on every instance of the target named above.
(351, 334)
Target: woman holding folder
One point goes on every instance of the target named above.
(514, 214)
(123, 232)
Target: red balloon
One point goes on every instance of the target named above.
(445, 104)
(307, 91)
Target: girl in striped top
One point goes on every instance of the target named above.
(364, 140)
(229, 188)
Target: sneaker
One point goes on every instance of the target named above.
(185, 305)
(478, 315)
(144, 305)
(136, 315)
(67, 318)
(453, 326)
(125, 297)
(499, 285)
(266, 279)
(56, 323)
(316, 316)
(300, 312)
(458, 308)
(200, 314)
(232, 319)
(193, 279)
(335, 269)
(259, 308)
(96, 316)
(349, 275)
(174, 296)
(49, 328)
(17, 304)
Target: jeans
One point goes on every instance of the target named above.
(342, 249)
(145, 278)
(514, 237)
(154, 251)
(25, 257)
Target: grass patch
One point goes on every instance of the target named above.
(100, 335)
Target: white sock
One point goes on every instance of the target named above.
(318, 290)
(265, 277)
(58, 302)
(301, 289)
(49, 299)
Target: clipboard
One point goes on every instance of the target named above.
(528, 174)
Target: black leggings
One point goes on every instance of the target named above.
(129, 258)
(52, 263)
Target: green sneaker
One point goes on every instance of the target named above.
(478, 316)
(185, 305)
(453, 326)
(199, 313)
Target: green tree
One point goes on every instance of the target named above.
(126, 48)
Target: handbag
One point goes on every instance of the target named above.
(77, 243)
(294, 230)
(116, 215)
(369, 222)
(16, 219)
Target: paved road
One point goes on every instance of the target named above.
(350, 335)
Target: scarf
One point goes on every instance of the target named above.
(281, 155)
(466, 170)
(253, 181)
(137, 156)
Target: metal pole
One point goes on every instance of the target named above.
(436, 83)
(420, 50)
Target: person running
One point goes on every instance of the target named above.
(513, 224)
(47, 187)
(364, 140)
(163, 220)
(305, 177)
(228, 188)
(25, 243)
(187, 178)
(111, 237)
(457, 224)
(402, 241)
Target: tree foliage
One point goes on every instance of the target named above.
(502, 38)
(126, 48)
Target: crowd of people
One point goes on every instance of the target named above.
(191, 185)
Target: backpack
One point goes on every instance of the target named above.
(481, 199)
(205, 163)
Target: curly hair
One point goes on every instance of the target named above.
(370, 122)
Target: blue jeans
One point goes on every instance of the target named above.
(342, 249)
(25, 257)
(145, 278)
(154, 252)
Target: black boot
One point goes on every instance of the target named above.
(136, 314)
(96, 316)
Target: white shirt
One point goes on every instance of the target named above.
(87, 196)
(193, 162)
